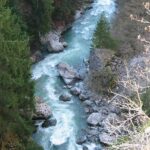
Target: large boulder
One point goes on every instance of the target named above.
(68, 74)
(81, 137)
(52, 40)
(106, 139)
(94, 119)
(42, 110)
(65, 97)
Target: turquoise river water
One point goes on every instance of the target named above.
(70, 115)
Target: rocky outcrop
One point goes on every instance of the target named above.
(52, 42)
(106, 139)
(65, 97)
(81, 137)
(36, 57)
(94, 119)
(42, 110)
(68, 74)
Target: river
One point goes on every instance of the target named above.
(70, 115)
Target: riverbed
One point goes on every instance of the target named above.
(70, 116)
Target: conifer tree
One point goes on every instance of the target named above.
(16, 88)
(102, 36)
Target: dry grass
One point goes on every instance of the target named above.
(127, 30)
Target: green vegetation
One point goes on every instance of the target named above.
(16, 89)
(104, 80)
(122, 139)
(146, 101)
(35, 16)
(21, 23)
(63, 10)
(39, 16)
(102, 36)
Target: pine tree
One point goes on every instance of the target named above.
(102, 36)
(16, 88)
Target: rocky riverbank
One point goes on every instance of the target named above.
(43, 115)
(110, 114)
(53, 41)
(118, 112)
(100, 113)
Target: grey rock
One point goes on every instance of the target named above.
(106, 139)
(95, 108)
(48, 123)
(94, 119)
(88, 103)
(83, 97)
(42, 110)
(65, 97)
(65, 44)
(81, 137)
(68, 74)
(75, 91)
(94, 131)
(88, 110)
(52, 41)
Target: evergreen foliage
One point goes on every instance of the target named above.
(35, 17)
(41, 16)
(146, 101)
(63, 10)
(102, 36)
(16, 88)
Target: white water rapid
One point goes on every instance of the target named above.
(70, 115)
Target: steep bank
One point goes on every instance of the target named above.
(126, 29)
(131, 64)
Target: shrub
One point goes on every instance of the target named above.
(146, 101)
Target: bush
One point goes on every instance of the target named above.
(102, 36)
(146, 101)
(103, 81)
